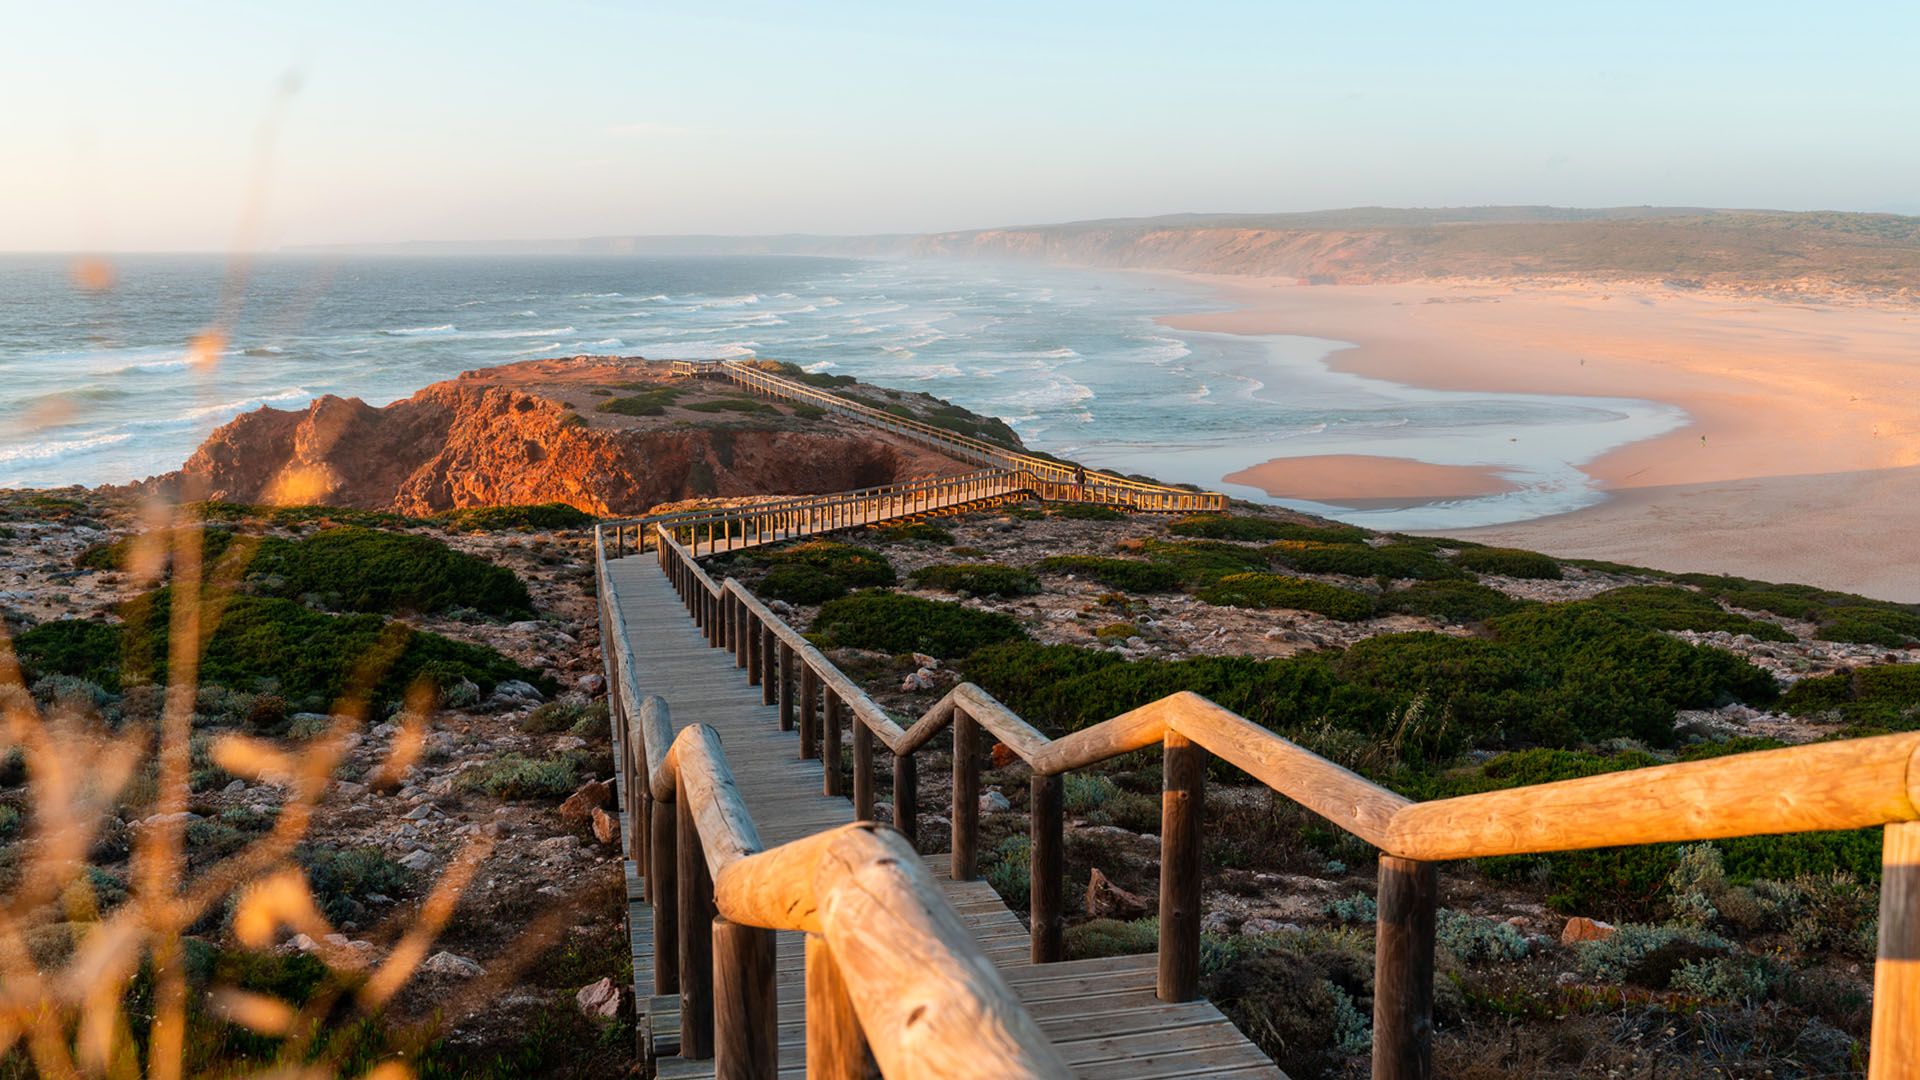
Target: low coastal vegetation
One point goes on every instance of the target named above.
(1437, 669)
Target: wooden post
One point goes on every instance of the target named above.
(664, 894)
(746, 1023)
(809, 727)
(786, 687)
(862, 770)
(1895, 1041)
(906, 796)
(830, 744)
(742, 618)
(769, 664)
(755, 629)
(696, 941)
(1403, 970)
(1182, 806)
(1047, 869)
(836, 1047)
(966, 795)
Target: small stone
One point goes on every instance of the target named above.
(517, 692)
(235, 788)
(591, 685)
(1267, 926)
(525, 626)
(922, 679)
(181, 817)
(581, 804)
(568, 742)
(604, 827)
(1567, 978)
(925, 661)
(1580, 928)
(446, 963)
(420, 813)
(992, 802)
(417, 860)
(598, 1001)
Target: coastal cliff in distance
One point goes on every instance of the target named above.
(603, 434)
(1760, 252)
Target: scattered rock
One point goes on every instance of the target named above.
(182, 817)
(1580, 928)
(417, 860)
(235, 787)
(581, 804)
(992, 802)
(513, 692)
(922, 679)
(446, 963)
(591, 685)
(598, 1001)
(603, 826)
(1105, 900)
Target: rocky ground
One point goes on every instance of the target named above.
(535, 949)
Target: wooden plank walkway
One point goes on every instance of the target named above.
(1102, 1014)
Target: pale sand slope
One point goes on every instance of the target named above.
(1368, 480)
(1803, 459)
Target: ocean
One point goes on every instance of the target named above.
(96, 385)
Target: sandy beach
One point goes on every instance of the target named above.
(1801, 463)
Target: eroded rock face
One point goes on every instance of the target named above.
(473, 442)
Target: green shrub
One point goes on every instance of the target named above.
(553, 717)
(1397, 561)
(306, 657)
(1119, 631)
(1008, 869)
(516, 776)
(1099, 938)
(1088, 512)
(856, 567)
(1507, 562)
(356, 569)
(1837, 616)
(1869, 626)
(799, 583)
(651, 401)
(1227, 527)
(1082, 793)
(920, 532)
(327, 516)
(1884, 696)
(900, 624)
(1202, 562)
(1262, 590)
(977, 579)
(1474, 940)
(1124, 575)
(1358, 908)
(342, 878)
(1646, 955)
(1450, 601)
(553, 515)
(1669, 607)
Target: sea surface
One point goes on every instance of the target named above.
(98, 383)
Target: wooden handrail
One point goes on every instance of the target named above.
(1847, 784)
(926, 999)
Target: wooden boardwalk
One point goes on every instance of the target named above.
(1102, 1014)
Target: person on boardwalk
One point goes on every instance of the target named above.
(1079, 481)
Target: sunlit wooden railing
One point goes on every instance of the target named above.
(1848, 784)
(890, 967)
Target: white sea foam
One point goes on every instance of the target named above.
(729, 301)
(606, 343)
(246, 404)
(42, 451)
(150, 366)
(818, 367)
(418, 331)
(501, 335)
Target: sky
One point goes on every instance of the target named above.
(217, 126)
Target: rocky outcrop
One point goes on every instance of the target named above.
(481, 442)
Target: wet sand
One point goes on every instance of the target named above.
(1802, 461)
(1367, 481)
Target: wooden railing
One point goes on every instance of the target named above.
(1847, 784)
(1094, 486)
(727, 528)
(890, 968)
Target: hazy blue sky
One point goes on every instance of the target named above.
(142, 126)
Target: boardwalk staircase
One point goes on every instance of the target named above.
(779, 930)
